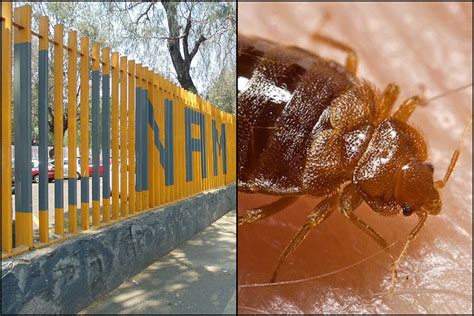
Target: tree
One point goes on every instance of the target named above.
(200, 38)
(181, 62)
(222, 91)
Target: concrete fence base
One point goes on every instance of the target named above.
(68, 276)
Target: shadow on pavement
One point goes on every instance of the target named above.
(197, 277)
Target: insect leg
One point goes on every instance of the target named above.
(390, 95)
(422, 219)
(351, 59)
(351, 200)
(407, 107)
(317, 216)
(265, 211)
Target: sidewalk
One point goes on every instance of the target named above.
(197, 277)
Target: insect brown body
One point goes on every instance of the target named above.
(310, 126)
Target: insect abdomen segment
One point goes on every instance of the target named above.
(286, 95)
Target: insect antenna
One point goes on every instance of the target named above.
(439, 184)
(454, 158)
(446, 93)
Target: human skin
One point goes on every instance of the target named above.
(410, 44)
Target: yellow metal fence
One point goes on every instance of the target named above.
(165, 144)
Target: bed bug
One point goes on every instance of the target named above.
(308, 125)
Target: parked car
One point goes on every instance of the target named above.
(13, 171)
(35, 171)
(91, 167)
(66, 168)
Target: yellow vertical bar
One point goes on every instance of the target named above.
(210, 158)
(223, 175)
(214, 177)
(154, 150)
(188, 105)
(229, 159)
(105, 200)
(151, 146)
(115, 140)
(159, 170)
(182, 150)
(131, 136)
(211, 166)
(199, 162)
(23, 220)
(43, 213)
(72, 123)
(222, 168)
(151, 162)
(223, 121)
(177, 146)
(84, 129)
(208, 141)
(185, 105)
(234, 148)
(58, 124)
(138, 196)
(175, 150)
(168, 189)
(123, 137)
(228, 126)
(197, 155)
(144, 95)
(183, 153)
(229, 148)
(170, 97)
(203, 142)
(191, 183)
(146, 199)
(156, 161)
(175, 106)
(6, 127)
(95, 203)
(162, 122)
(211, 153)
(229, 145)
(151, 152)
(160, 179)
(219, 157)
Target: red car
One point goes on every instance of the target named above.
(35, 171)
(65, 169)
(78, 168)
(101, 167)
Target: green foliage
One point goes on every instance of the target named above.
(222, 92)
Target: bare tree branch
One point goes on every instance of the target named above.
(151, 5)
(196, 47)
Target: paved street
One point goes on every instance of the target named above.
(197, 277)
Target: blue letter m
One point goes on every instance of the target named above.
(219, 144)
